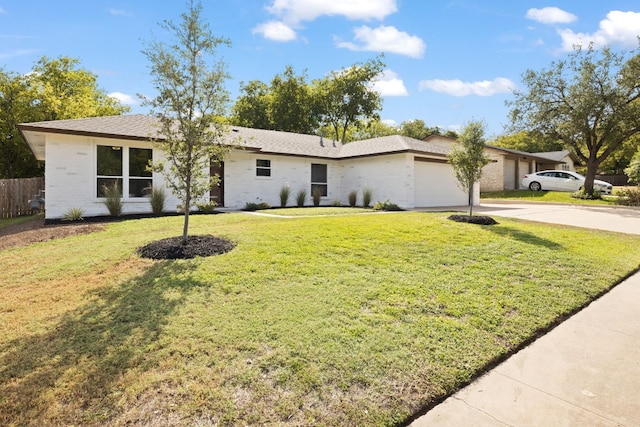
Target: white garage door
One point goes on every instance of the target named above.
(435, 185)
(509, 174)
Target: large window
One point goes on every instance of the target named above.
(263, 167)
(124, 167)
(319, 178)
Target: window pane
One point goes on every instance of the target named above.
(109, 160)
(321, 187)
(263, 172)
(108, 182)
(318, 173)
(139, 159)
(139, 187)
(261, 163)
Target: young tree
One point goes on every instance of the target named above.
(346, 98)
(589, 101)
(191, 95)
(469, 159)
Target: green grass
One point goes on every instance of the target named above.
(316, 211)
(332, 320)
(18, 220)
(544, 196)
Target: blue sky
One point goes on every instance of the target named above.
(448, 61)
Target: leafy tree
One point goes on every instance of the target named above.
(588, 101)
(252, 109)
(346, 98)
(16, 97)
(633, 170)
(468, 159)
(291, 108)
(65, 91)
(528, 142)
(190, 96)
(55, 89)
(371, 129)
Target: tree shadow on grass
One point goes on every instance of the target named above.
(524, 237)
(71, 370)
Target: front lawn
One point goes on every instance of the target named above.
(544, 196)
(327, 320)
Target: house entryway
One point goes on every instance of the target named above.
(216, 193)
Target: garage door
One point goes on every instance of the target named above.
(509, 174)
(435, 185)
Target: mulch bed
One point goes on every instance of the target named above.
(197, 246)
(475, 219)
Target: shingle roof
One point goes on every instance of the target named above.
(143, 127)
(556, 156)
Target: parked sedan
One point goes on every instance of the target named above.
(561, 181)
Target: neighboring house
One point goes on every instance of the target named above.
(82, 155)
(508, 167)
(563, 160)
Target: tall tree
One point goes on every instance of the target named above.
(66, 91)
(346, 97)
(16, 98)
(528, 142)
(54, 89)
(191, 95)
(468, 159)
(291, 108)
(588, 101)
(252, 109)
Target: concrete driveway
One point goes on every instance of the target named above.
(585, 372)
(610, 218)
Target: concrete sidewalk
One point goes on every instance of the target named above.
(585, 372)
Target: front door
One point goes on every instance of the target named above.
(216, 194)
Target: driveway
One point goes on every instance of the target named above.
(610, 218)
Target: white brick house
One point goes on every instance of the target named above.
(81, 155)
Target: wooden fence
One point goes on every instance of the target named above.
(15, 196)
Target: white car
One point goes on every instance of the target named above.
(561, 181)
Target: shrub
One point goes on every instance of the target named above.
(581, 194)
(336, 203)
(252, 206)
(157, 199)
(628, 196)
(113, 199)
(316, 194)
(206, 206)
(285, 192)
(367, 193)
(301, 196)
(73, 214)
(386, 206)
(353, 198)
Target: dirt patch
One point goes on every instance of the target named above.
(36, 231)
(172, 247)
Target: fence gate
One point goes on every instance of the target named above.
(16, 194)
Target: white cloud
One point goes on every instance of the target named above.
(389, 84)
(291, 14)
(276, 31)
(295, 11)
(390, 122)
(460, 88)
(385, 39)
(124, 98)
(618, 28)
(551, 15)
(119, 12)
(17, 53)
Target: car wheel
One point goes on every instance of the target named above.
(535, 186)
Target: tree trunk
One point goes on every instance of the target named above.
(592, 168)
(470, 200)
(187, 204)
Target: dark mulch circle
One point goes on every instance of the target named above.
(172, 247)
(475, 219)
